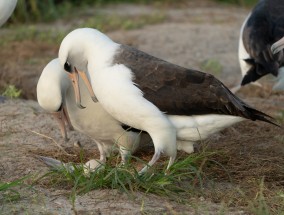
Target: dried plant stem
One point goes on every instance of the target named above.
(50, 138)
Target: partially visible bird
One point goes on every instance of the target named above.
(6, 9)
(278, 46)
(55, 94)
(275, 48)
(263, 26)
(150, 94)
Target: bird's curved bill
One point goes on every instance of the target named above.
(277, 46)
(67, 118)
(88, 84)
(74, 77)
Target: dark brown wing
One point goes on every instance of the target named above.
(179, 91)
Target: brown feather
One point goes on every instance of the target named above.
(179, 91)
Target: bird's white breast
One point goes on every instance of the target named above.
(114, 88)
(93, 120)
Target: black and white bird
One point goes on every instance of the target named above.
(6, 9)
(56, 95)
(150, 94)
(263, 27)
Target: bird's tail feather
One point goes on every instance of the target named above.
(248, 112)
(258, 115)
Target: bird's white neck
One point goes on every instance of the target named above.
(100, 55)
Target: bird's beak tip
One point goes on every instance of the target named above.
(94, 98)
(80, 106)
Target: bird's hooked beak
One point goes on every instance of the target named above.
(62, 118)
(74, 76)
(87, 83)
(277, 46)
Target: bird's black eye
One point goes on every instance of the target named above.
(67, 66)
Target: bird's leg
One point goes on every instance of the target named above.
(93, 164)
(151, 163)
(171, 161)
(164, 140)
(102, 153)
(128, 144)
(125, 154)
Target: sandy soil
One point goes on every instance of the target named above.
(192, 35)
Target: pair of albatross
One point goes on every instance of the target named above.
(55, 94)
(263, 27)
(174, 105)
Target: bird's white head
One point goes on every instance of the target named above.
(51, 91)
(51, 86)
(82, 47)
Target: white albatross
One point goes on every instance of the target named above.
(150, 94)
(55, 94)
(6, 9)
(262, 27)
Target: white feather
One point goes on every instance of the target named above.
(243, 54)
(200, 127)
(54, 87)
(6, 9)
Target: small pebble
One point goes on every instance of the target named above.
(77, 144)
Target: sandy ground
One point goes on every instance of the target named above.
(192, 35)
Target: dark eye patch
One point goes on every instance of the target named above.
(67, 66)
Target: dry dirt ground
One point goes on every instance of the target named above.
(192, 34)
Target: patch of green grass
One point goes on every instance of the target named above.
(113, 22)
(280, 138)
(212, 66)
(266, 202)
(12, 92)
(33, 33)
(239, 2)
(7, 190)
(101, 22)
(188, 178)
(259, 206)
(184, 176)
(35, 11)
(280, 116)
